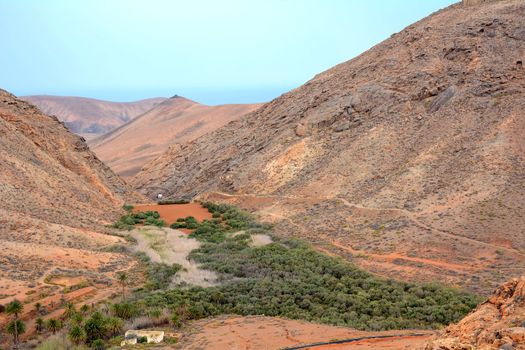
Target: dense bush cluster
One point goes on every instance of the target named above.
(172, 201)
(189, 222)
(288, 278)
(128, 221)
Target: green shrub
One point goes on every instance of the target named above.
(142, 340)
(128, 221)
(127, 207)
(125, 311)
(141, 215)
(98, 344)
(160, 275)
(58, 342)
(177, 225)
(172, 201)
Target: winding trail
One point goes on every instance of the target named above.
(403, 212)
(411, 216)
(326, 345)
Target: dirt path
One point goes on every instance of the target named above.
(394, 341)
(402, 212)
(411, 216)
(169, 246)
(396, 256)
(272, 333)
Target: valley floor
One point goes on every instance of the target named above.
(270, 333)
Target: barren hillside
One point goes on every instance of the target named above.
(408, 159)
(176, 120)
(91, 117)
(55, 197)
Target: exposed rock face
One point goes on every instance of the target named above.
(498, 323)
(90, 117)
(50, 174)
(176, 120)
(410, 156)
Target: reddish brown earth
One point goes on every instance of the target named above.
(91, 117)
(56, 198)
(175, 120)
(408, 159)
(498, 323)
(271, 333)
(171, 212)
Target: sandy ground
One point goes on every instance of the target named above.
(270, 333)
(170, 213)
(172, 247)
(260, 240)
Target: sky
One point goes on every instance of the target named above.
(211, 51)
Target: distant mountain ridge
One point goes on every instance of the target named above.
(177, 119)
(91, 117)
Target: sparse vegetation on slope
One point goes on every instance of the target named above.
(129, 220)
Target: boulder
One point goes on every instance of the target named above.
(301, 130)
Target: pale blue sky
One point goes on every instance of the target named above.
(211, 51)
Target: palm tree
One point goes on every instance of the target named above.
(39, 322)
(114, 325)
(77, 319)
(175, 320)
(98, 344)
(76, 334)
(70, 310)
(54, 325)
(38, 307)
(95, 327)
(84, 309)
(16, 328)
(15, 308)
(123, 278)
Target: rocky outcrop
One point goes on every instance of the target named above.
(414, 147)
(498, 323)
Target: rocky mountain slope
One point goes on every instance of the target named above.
(408, 159)
(55, 198)
(176, 120)
(91, 117)
(498, 323)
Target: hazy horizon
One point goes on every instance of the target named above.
(214, 53)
